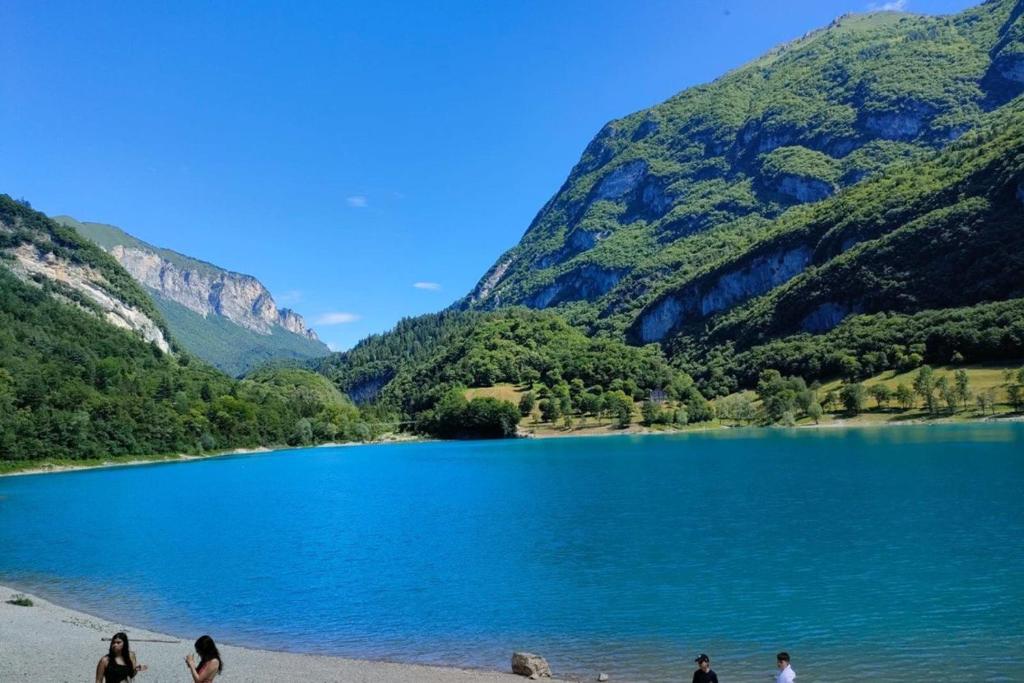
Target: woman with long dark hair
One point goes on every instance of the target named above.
(210, 663)
(118, 665)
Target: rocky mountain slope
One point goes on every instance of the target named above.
(72, 271)
(226, 318)
(661, 197)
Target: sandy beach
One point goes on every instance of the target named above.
(69, 644)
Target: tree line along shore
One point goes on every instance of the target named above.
(923, 395)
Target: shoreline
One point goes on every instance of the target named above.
(76, 637)
(600, 431)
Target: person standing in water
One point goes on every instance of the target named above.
(118, 665)
(704, 674)
(210, 662)
(786, 673)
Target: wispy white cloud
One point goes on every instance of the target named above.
(292, 296)
(432, 286)
(334, 347)
(336, 318)
(357, 201)
(893, 6)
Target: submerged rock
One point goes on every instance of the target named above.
(529, 664)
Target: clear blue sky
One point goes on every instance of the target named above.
(343, 152)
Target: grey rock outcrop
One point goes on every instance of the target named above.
(621, 180)
(738, 283)
(242, 299)
(825, 316)
(903, 124)
(659, 320)
(804, 189)
(586, 282)
(30, 263)
(529, 664)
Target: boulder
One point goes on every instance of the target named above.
(529, 664)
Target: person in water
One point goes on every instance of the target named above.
(786, 673)
(119, 664)
(704, 674)
(210, 663)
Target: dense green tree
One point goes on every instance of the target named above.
(526, 402)
(904, 396)
(852, 396)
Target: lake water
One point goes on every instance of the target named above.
(887, 554)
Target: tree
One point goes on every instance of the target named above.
(681, 417)
(779, 395)
(550, 409)
(526, 402)
(814, 411)
(947, 392)
(963, 387)
(904, 396)
(986, 400)
(831, 400)
(490, 418)
(650, 412)
(853, 396)
(882, 395)
(620, 407)
(590, 403)
(1015, 396)
(924, 386)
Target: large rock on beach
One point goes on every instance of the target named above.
(529, 664)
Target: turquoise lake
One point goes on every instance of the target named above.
(887, 554)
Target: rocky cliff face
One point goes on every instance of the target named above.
(242, 299)
(34, 265)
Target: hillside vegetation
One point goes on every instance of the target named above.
(73, 386)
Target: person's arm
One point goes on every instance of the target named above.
(138, 668)
(206, 675)
(101, 668)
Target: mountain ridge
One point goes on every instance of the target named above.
(213, 294)
(693, 179)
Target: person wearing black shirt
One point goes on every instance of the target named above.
(704, 674)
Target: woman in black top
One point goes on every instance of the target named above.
(704, 674)
(119, 664)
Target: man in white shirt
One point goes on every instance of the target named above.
(786, 673)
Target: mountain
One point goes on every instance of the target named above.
(847, 203)
(228, 319)
(662, 197)
(88, 368)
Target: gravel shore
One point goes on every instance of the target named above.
(47, 642)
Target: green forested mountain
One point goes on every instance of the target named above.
(662, 196)
(88, 370)
(849, 202)
(228, 319)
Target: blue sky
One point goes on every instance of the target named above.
(366, 161)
